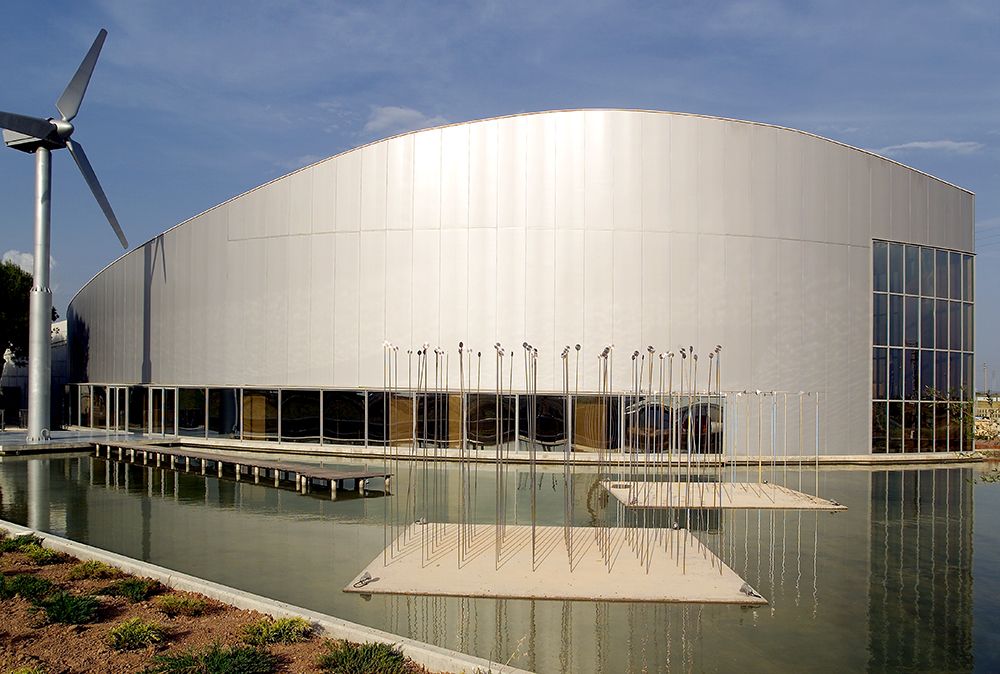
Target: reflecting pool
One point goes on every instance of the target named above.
(907, 578)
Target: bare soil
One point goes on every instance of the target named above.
(27, 640)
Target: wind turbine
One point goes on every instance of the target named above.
(40, 137)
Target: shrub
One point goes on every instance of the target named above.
(216, 659)
(344, 657)
(132, 589)
(281, 631)
(32, 588)
(134, 634)
(63, 607)
(93, 569)
(17, 543)
(179, 604)
(30, 669)
(40, 555)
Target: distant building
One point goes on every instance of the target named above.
(14, 382)
(818, 266)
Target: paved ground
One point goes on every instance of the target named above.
(705, 495)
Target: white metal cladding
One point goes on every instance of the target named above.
(594, 227)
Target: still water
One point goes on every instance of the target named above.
(908, 578)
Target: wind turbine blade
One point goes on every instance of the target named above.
(31, 126)
(83, 164)
(69, 103)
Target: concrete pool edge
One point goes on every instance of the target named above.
(434, 658)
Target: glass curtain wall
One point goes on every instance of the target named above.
(260, 414)
(300, 415)
(191, 412)
(223, 413)
(922, 337)
(138, 409)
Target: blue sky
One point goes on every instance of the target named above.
(194, 102)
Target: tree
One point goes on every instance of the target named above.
(15, 289)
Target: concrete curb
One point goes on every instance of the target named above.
(432, 657)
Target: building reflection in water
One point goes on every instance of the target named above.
(892, 572)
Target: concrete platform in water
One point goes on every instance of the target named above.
(680, 568)
(707, 495)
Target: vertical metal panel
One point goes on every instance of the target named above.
(738, 338)
(300, 202)
(859, 197)
(483, 293)
(684, 150)
(540, 165)
(276, 205)
(510, 286)
(787, 329)
(298, 292)
(764, 313)
(626, 287)
(836, 213)
(597, 175)
(966, 231)
(598, 295)
(274, 368)
(346, 287)
(255, 318)
(539, 305)
(372, 305)
(454, 293)
(899, 204)
(322, 309)
(348, 217)
(656, 291)
(626, 151)
(568, 315)
(855, 436)
(373, 186)
(427, 180)
(789, 187)
(712, 183)
(752, 207)
(683, 264)
(919, 188)
(483, 174)
(184, 303)
(399, 183)
(943, 236)
(711, 263)
(816, 180)
(656, 180)
(511, 173)
(570, 188)
(399, 272)
(455, 177)
(836, 401)
(815, 280)
(325, 196)
(937, 198)
(881, 198)
(426, 281)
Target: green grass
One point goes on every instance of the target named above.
(40, 555)
(343, 657)
(70, 609)
(33, 669)
(216, 659)
(134, 634)
(30, 587)
(281, 631)
(179, 604)
(93, 569)
(17, 543)
(132, 589)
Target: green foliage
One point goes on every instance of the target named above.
(93, 569)
(132, 589)
(40, 555)
(134, 634)
(32, 669)
(70, 609)
(18, 543)
(30, 587)
(216, 659)
(281, 631)
(179, 604)
(15, 286)
(343, 657)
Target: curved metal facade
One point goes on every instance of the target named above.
(594, 227)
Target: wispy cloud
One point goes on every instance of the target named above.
(387, 120)
(943, 146)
